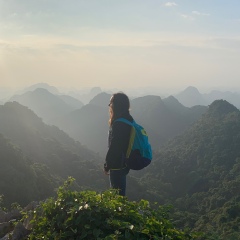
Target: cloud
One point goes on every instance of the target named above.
(193, 15)
(200, 14)
(92, 39)
(170, 4)
(189, 17)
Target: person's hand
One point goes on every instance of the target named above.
(106, 172)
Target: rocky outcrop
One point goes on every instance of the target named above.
(6, 217)
(18, 231)
(5, 228)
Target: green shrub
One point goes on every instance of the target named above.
(88, 215)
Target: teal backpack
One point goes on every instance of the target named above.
(139, 152)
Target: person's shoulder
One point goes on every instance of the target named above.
(128, 117)
(117, 124)
(121, 120)
(121, 124)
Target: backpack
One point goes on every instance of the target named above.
(139, 152)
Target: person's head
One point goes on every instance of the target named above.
(119, 106)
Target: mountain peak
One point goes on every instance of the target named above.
(191, 90)
(220, 108)
(95, 90)
(171, 99)
(190, 97)
(42, 91)
(46, 86)
(101, 99)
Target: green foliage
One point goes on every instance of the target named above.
(16, 205)
(21, 181)
(88, 215)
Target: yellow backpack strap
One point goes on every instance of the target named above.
(131, 141)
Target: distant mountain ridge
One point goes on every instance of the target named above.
(191, 97)
(89, 125)
(102, 99)
(46, 105)
(86, 96)
(33, 87)
(163, 119)
(19, 123)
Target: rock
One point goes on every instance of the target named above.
(14, 214)
(27, 221)
(5, 228)
(31, 206)
(2, 216)
(19, 232)
(7, 237)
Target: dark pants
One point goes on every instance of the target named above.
(118, 180)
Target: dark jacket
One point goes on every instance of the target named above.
(118, 139)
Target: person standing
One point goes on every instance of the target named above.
(118, 140)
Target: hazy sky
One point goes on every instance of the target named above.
(119, 43)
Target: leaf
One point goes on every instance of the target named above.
(96, 232)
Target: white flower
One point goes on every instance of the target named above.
(131, 227)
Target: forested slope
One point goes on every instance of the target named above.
(22, 180)
(48, 146)
(199, 173)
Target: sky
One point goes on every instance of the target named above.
(137, 44)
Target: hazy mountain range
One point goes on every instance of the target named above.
(191, 97)
(46, 104)
(88, 124)
(48, 146)
(33, 87)
(38, 157)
